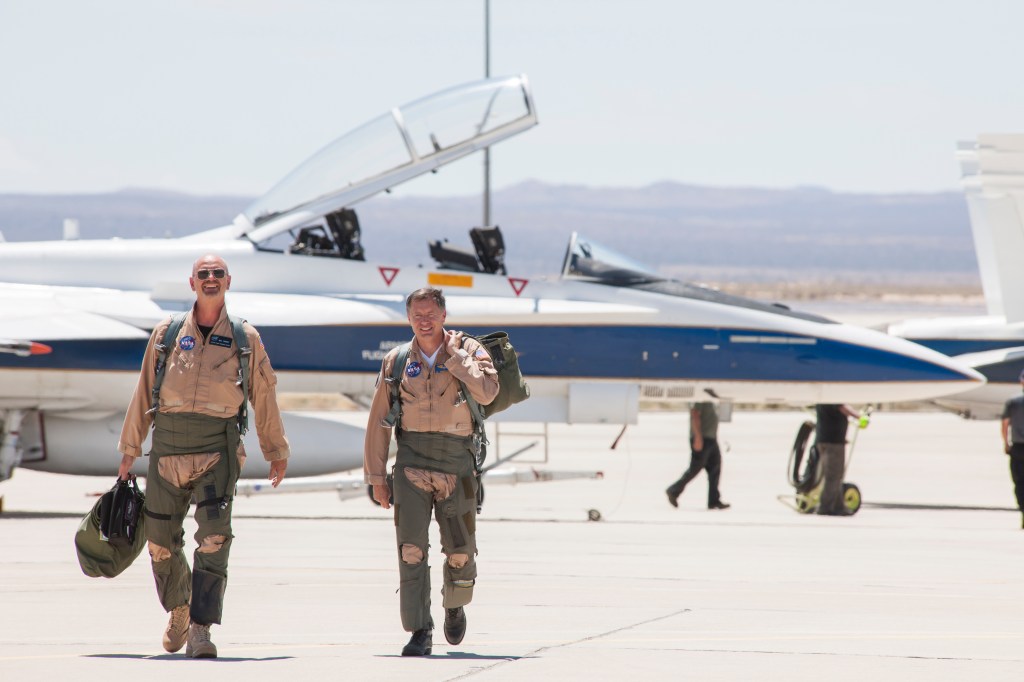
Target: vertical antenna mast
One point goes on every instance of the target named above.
(487, 150)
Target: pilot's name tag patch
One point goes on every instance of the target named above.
(440, 368)
(413, 369)
(224, 341)
(187, 343)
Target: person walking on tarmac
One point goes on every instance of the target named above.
(830, 438)
(704, 455)
(191, 390)
(1013, 443)
(434, 468)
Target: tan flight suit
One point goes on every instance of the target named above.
(434, 470)
(197, 452)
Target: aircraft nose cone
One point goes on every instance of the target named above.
(944, 375)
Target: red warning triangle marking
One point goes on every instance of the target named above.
(518, 284)
(388, 274)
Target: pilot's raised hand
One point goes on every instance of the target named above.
(453, 340)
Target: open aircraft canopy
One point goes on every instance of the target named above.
(393, 148)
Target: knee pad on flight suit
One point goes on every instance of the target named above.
(411, 554)
(458, 539)
(207, 597)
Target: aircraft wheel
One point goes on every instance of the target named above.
(851, 497)
(593, 515)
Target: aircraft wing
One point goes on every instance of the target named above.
(30, 311)
(347, 486)
(400, 145)
(39, 325)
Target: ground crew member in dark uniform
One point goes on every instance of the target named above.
(434, 469)
(197, 452)
(830, 438)
(1013, 443)
(704, 455)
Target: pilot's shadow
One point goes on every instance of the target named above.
(463, 656)
(182, 657)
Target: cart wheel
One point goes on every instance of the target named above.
(851, 497)
(804, 504)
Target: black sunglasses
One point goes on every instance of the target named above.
(217, 274)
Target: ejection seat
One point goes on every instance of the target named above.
(488, 255)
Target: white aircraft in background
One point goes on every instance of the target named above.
(593, 340)
(993, 179)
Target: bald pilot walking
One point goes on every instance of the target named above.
(197, 420)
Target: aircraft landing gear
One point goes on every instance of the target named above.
(10, 441)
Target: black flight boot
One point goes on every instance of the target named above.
(420, 644)
(454, 625)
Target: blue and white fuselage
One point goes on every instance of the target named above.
(328, 328)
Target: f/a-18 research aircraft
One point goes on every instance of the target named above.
(593, 339)
(992, 170)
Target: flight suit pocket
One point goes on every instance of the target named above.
(224, 370)
(175, 379)
(225, 391)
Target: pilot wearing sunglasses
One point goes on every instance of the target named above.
(191, 392)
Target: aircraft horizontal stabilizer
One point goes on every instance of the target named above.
(350, 486)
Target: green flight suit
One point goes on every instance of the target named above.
(167, 506)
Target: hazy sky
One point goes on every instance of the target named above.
(226, 96)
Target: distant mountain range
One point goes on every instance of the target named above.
(687, 232)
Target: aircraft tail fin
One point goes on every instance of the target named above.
(993, 179)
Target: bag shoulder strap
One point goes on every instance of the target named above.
(162, 348)
(474, 407)
(244, 370)
(480, 441)
(393, 419)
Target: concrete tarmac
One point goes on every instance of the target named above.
(924, 583)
